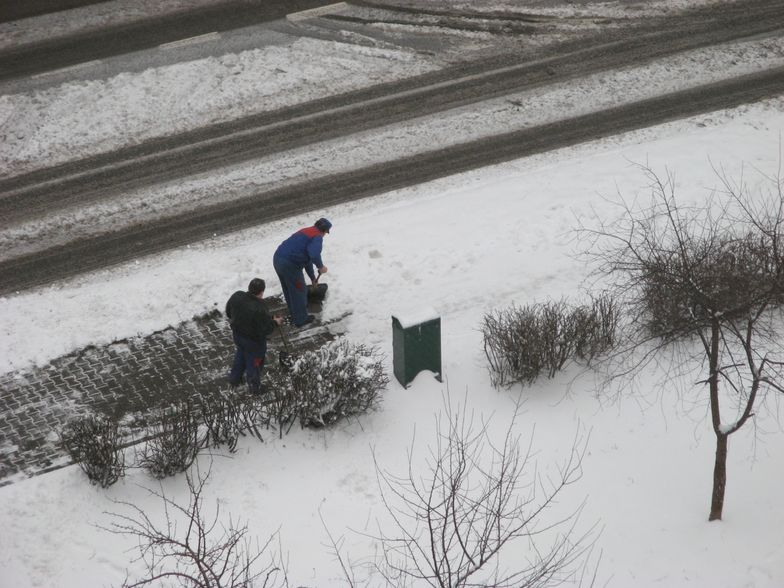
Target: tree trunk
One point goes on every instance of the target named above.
(719, 477)
(720, 465)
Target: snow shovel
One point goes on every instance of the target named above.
(285, 358)
(317, 292)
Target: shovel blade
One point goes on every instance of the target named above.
(317, 292)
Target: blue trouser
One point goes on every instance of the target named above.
(292, 282)
(248, 358)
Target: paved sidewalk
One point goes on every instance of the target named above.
(121, 379)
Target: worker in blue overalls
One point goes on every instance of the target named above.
(300, 252)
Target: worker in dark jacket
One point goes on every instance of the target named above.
(301, 251)
(251, 324)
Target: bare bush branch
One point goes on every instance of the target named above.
(229, 415)
(346, 565)
(94, 443)
(193, 549)
(337, 381)
(174, 443)
(283, 408)
(522, 343)
(456, 523)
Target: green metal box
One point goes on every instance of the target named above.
(416, 346)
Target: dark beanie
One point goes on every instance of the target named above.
(323, 225)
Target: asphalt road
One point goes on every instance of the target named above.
(17, 9)
(87, 181)
(55, 53)
(261, 135)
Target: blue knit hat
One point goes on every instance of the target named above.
(323, 225)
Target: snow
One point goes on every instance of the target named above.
(410, 317)
(465, 245)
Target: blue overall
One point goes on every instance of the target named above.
(248, 358)
(299, 252)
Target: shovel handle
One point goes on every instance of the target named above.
(284, 337)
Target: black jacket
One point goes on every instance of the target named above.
(249, 317)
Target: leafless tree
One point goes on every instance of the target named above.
(193, 549)
(710, 280)
(472, 516)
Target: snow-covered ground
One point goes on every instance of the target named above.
(464, 245)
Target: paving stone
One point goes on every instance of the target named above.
(122, 379)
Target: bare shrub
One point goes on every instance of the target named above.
(229, 415)
(724, 271)
(193, 549)
(508, 342)
(521, 343)
(283, 407)
(94, 443)
(595, 327)
(174, 442)
(338, 380)
(467, 518)
(555, 335)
